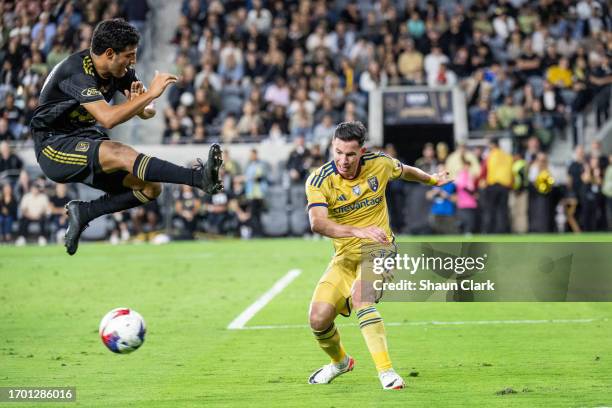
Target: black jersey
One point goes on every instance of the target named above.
(72, 83)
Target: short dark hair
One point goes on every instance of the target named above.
(348, 131)
(116, 34)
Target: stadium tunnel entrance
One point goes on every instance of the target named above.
(410, 139)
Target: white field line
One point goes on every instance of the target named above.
(243, 318)
(434, 323)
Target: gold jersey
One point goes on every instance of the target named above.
(359, 202)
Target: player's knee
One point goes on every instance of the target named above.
(120, 156)
(152, 190)
(320, 319)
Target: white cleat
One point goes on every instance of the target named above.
(327, 373)
(391, 380)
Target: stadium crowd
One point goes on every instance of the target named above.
(492, 192)
(295, 68)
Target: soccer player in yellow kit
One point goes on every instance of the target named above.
(346, 202)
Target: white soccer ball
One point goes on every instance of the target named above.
(122, 330)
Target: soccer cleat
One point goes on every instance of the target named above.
(327, 373)
(391, 380)
(76, 225)
(208, 172)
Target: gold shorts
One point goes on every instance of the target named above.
(336, 284)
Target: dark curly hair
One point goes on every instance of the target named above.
(116, 34)
(348, 131)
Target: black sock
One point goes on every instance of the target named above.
(108, 204)
(153, 169)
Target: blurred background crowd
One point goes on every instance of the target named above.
(291, 70)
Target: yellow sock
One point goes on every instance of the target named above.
(329, 341)
(373, 330)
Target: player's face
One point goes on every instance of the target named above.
(347, 156)
(121, 61)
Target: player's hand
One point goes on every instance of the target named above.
(372, 232)
(160, 82)
(443, 178)
(136, 88)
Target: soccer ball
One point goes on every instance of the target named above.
(122, 330)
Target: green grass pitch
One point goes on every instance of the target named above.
(51, 305)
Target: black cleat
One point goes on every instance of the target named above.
(76, 225)
(208, 173)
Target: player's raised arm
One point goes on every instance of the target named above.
(321, 224)
(110, 116)
(410, 173)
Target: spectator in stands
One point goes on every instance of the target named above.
(278, 93)
(231, 168)
(467, 204)
(316, 158)
(521, 129)
(591, 196)
(518, 202)
(427, 162)
(373, 78)
(395, 195)
(540, 207)
(13, 115)
(10, 163)
(442, 152)
(323, 132)
(23, 185)
(33, 207)
(229, 131)
(256, 186)
(187, 206)
(217, 211)
(529, 63)
(145, 219)
(560, 75)
(199, 134)
(601, 79)
(443, 210)
(498, 185)
(443, 77)
(176, 133)
(596, 151)
(260, 17)
(250, 119)
(297, 162)
(57, 213)
(5, 131)
(410, 62)
(455, 161)
(240, 207)
(8, 213)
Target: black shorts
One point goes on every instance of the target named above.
(73, 158)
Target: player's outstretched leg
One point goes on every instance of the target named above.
(326, 333)
(205, 176)
(80, 213)
(146, 172)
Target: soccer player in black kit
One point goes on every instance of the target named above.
(71, 148)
